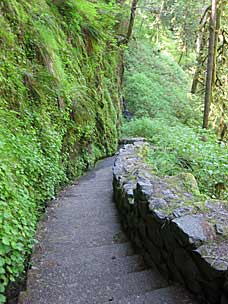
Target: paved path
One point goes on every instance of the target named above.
(84, 258)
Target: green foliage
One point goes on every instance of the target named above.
(172, 21)
(182, 17)
(155, 86)
(218, 117)
(180, 148)
(156, 92)
(59, 109)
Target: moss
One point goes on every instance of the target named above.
(185, 181)
(59, 109)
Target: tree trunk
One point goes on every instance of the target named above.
(210, 65)
(200, 44)
(222, 121)
(218, 25)
(132, 20)
(196, 79)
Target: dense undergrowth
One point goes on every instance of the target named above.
(59, 109)
(156, 90)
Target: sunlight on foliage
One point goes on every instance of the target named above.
(156, 86)
(156, 94)
(59, 109)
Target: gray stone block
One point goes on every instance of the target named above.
(172, 224)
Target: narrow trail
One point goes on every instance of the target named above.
(83, 257)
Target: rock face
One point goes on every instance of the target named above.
(179, 232)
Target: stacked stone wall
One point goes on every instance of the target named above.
(181, 235)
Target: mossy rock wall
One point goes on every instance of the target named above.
(182, 234)
(59, 109)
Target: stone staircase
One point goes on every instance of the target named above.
(84, 257)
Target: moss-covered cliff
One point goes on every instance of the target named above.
(59, 108)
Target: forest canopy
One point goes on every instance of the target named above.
(176, 88)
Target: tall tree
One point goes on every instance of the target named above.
(201, 41)
(210, 64)
(132, 20)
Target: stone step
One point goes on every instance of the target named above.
(70, 269)
(76, 229)
(168, 295)
(82, 244)
(92, 221)
(84, 197)
(95, 195)
(85, 211)
(83, 257)
(78, 213)
(99, 184)
(90, 237)
(86, 204)
(94, 186)
(89, 255)
(97, 290)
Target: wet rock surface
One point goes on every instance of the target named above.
(177, 230)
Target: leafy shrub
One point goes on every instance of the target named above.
(28, 177)
(59, 109)
(155, 85)
(157, 94)
(179, 148)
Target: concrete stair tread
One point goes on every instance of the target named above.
(89, 212)
(93, 253)
(88, 239)
(97, 290)
(167, 295)
(78, 230)
(90, 220)
(85, 204)
(66, 271)
(83, 257)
